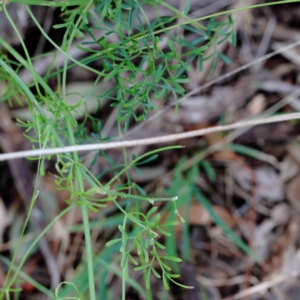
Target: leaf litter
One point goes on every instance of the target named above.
(258, 201)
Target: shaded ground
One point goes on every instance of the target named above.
(248, 179)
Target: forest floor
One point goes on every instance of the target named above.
(249, 178)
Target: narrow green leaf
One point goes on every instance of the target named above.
(172, 47)
(172, 258)
(146, 255)
(141, 190)
(209, 170)
(156, 220)
(121, 228)
(127, 7)
(163, 231)
(171, 223)
(252, 153)
(159, 245)
(165, 282)
(57, 26)
(200, 63)
(225, 58)
(126, 271)
(183, 80)
(203, 201)
(147, 160)
(91, 207)
(148, 279)
(233, 37)
(165, 265)
(124, 261)
(140, 268)
(112, 242)
(213, 66)
(124, 244)
(175, 67)
(151, 211)
(133, 260)
(187, 7)
(173, 275)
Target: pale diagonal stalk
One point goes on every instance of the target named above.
(152, 140)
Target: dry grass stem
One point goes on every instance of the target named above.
(148, 141)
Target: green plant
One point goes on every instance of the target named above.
(130, 55)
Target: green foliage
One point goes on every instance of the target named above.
(145, 243)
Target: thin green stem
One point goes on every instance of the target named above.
(85, 217)
(142, 262)
(27, 278)
(222, 13)
(180, 14)
(143, 12)
(78, 63)
(35, 242)
(113, 269)
(56, 3)
(31, 97)
(125, 163)
(136, 160)
(77, 169)
(18, 244)
(78, 175)
(124, 268)
(123, 284)
(12, 23)
(34, 101)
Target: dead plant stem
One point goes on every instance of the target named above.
(151, 140)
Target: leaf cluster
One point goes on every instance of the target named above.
(145, 243)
